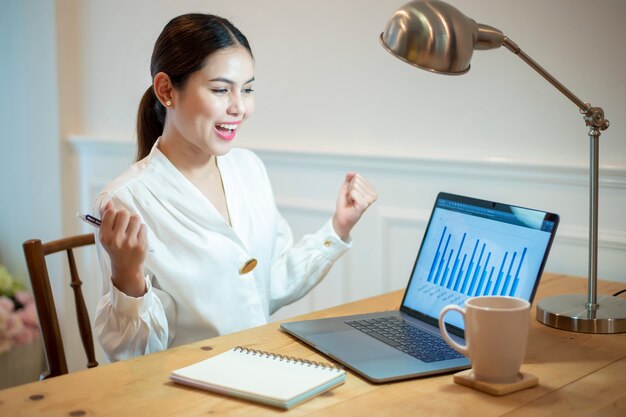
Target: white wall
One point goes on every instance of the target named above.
(326, 88)
(324, 82)
(30, 167)
(30, 186)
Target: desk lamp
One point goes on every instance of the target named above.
(435, 36)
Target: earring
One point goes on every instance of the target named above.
(168, 103)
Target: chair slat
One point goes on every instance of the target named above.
(46, 310)
(35, 253)
(71, 242)
(84, 325)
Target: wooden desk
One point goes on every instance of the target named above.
(579, 374)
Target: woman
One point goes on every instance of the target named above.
(191, 238)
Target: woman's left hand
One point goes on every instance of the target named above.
(355, 196)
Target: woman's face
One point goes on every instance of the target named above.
(208, 111)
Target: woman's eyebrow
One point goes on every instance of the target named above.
(226, 80)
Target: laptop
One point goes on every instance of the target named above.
(470, 248)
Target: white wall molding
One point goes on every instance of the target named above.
(522, 171)
(302, 180)
(580, 236)
(315, 207)
(397, 217)
(518, 170)
(388, 237)
(334, 289)
(100, 145)
(480, 168)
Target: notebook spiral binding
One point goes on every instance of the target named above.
(275, 356)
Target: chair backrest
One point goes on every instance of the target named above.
(35, 253)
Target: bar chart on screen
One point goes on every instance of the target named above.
(470, 253)
(472, 267)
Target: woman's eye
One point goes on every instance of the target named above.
(247, 90)
(220, 90)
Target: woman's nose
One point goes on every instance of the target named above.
(236, 106)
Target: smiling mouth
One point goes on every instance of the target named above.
(226, 131)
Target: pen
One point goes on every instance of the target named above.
(96, 222)
(89, 219)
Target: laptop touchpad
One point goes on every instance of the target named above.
(351, 344)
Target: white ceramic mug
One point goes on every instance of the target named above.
(496, 332)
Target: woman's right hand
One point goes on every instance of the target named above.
(125, 239)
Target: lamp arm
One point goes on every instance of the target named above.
(513, 47)
(490, 38)
(594, 118)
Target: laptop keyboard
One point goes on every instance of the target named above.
(410, 339)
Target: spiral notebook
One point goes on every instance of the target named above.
(264, 377)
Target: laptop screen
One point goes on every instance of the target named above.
(474, 247)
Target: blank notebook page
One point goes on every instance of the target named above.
(259, 375)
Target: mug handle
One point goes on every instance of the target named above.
(444, 332)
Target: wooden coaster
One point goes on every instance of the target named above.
(524, 381)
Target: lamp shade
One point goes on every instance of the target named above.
(437, 37)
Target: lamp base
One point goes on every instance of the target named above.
(569, 312)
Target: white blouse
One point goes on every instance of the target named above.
(195, 288)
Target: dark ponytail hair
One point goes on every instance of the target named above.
(181, 49)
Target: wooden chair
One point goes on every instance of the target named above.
(35, 253)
